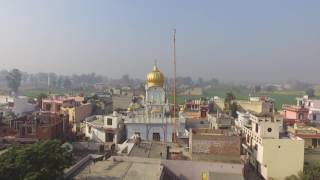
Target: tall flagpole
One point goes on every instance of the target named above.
(174, 87)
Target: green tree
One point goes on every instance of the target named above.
(42, 160)
(13, 79)
(310, 92)
(67, 83)
(270, 88)
(257, 88)
(40, 97)
(230, 105)
(310, 172)
(228, 100)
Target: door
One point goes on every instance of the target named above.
(156, 136)
(109, 137)
(315, 143)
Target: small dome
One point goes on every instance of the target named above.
(155, 78)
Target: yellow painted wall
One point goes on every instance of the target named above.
(78, 114)
(251, 105)
(278, 163)
(220, 104)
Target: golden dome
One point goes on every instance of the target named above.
(155, 78)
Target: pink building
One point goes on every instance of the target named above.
(54, 104)
(294, 114)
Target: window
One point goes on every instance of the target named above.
(109, 121)
(58, 107)
(48, 107)
(29, 130)
(89, 129)
(156, 136)
(137, 133)
(269, 130)
(109, 137)
(314, 117)
(257, 128)
(301, 116)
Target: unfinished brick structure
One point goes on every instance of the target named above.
(214, 142)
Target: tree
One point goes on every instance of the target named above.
(42, 160)
(67, 83)
(257, 88)
(200, 81)
(40, 97)
(310, 92)
(234, 109)
(125, 79)
(214, 81)
(310, 172)
(14, 80)
(270, 88)
(229, 100)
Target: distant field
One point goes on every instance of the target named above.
(281, 97)
(35, 92)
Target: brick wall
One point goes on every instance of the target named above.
(217, 145)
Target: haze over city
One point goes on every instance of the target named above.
(232, 41)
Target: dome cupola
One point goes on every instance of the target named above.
(155, 78)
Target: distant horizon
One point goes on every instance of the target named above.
(247, 41)
(194, 79)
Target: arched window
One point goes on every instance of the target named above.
(301, 116)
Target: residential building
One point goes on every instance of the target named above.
(214, 145)
(197, 105)
(294, 114)
(220, 121)
(310, 135)
(76, 108)
(313, 105)
(54, 104)
(5, 129)
(274, 155)
(102, 103)
(194, 91)
(19, 105)
(105, 129)
(257, 105)
(132, 168)
(41, 126)
(77, 114)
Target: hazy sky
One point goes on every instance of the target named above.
(230, 40)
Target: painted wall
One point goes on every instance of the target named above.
(21, 105)
(146, 132)
(97, 135)
(280, 158)
(312, 112)
(215, 144)
(251, 105)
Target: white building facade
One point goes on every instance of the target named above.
(105, 129)
(314, 108)
(274, 156)
(152, 120)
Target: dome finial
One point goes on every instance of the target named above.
(155, 67)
